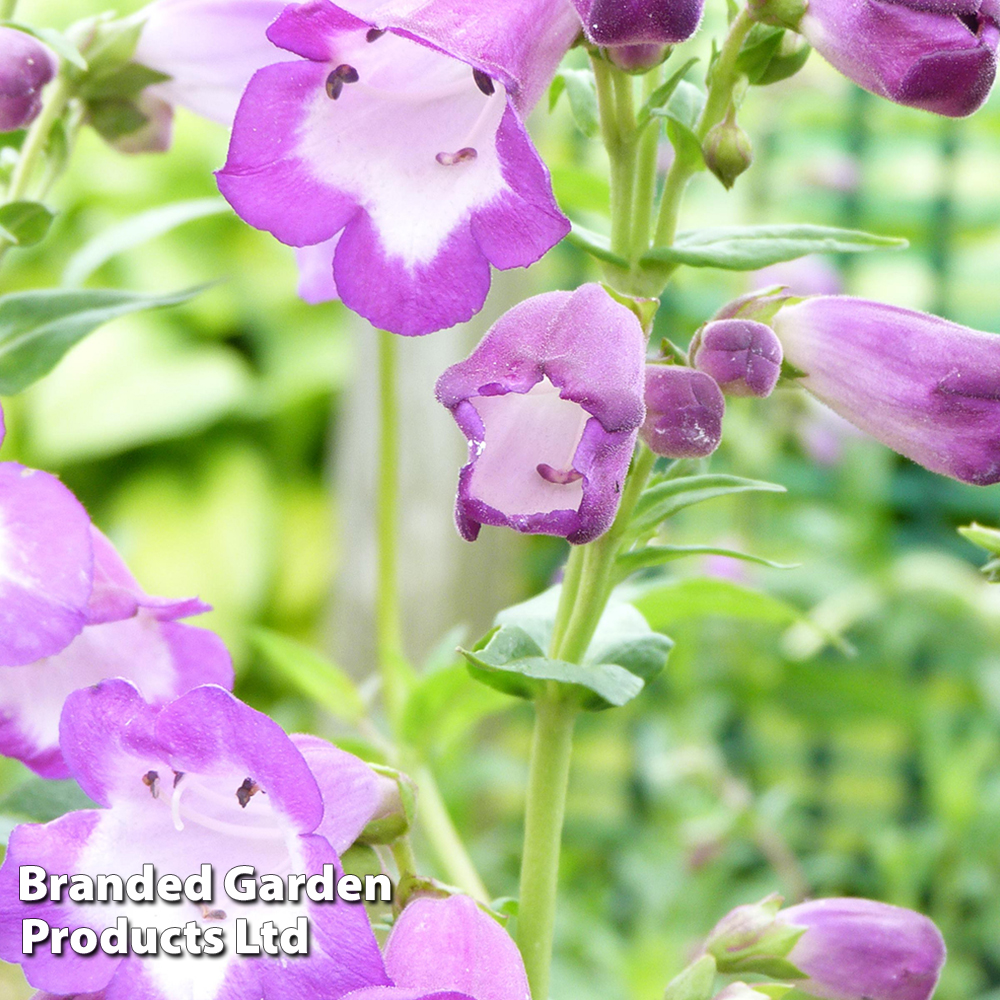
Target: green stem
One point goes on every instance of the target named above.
(616, 106)
(548, 781)
(37, 139)
(437, 825)
(389, 640)
(406, 860)
(720, 94)
(645, 181)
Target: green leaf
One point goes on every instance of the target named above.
(312, 674)
(665, 499)
(624, 638)
(582, 93)
(453, 701)
(25, 223)
(125, 82)
(760, 47)
(595, 244)
(37, 328)
(113, 118)
(662, 94)
(40, 801)
(686, 104)
(747, 248)
(989, 539)
(512, 662)
(696, 982)
(656, 555)
(682, 114)
(135, 231)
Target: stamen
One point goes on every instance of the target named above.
(247, 791)
(484, 82)
(464, 155)
(560, 477)
(337, 78)
(374, 34)
(175, 805)
(151, 780)
(232, 829)
(177, 777)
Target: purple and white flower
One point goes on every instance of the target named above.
(204, 780)
(684, 411)
(126, 634)
(396, 138)
(860, 949)
(939, 55)
(26, 66)
(449, 949)
(927, 388)
(550, 402)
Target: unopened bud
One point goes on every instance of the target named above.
(637, 58)
(396, 809)
(26, 66)
(727, 151)
(742, 355)
(684, 410)
(750, 939)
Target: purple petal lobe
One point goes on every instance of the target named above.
(613, 23)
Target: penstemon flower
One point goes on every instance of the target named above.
(46, 564)
(26, 66)
(550, 401)
(396, 138)
(927, 388)
(204, 780)
(932, 54)
(127, 634)
(449, 949)
(210, 48)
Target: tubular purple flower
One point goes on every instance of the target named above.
(398, 134)
(550, 402)
(127, 634)
(742, 355)
(204, 780)
(927, 388)
(210, 48)
(859, 949)
(684, 410)
(939, 55)
(449, 949)
(26, 66)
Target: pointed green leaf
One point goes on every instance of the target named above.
(582, 93)
(665, 499)
(38, 800)
(656, 555)
(662, 94)
(747, 248)
(595, 244)
(25, 223)
(37, 328)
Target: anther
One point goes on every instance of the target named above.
(337, 78)
(152, 781)
(177, 777)
(462, 156)
(560, 477)
(374, 34)
(484, 82)
(247, 791)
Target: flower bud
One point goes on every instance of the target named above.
(858, 949)
(684, 411)
(925, 387)
(743, 356)
(749, 939)
(26, 66)
(939, 57)
(638, 58)
(614, 23)
(727, 151)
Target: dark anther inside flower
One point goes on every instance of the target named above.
(338, 77)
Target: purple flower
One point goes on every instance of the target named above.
(46, 564)
(26, 66)
(858, 949)
(399, 129)
(550, 401)
(925, 387)
(127, 634)
(448, 949)
(204, 780)
(211, 48)
(654, 23)
(684, 410)
(742, 355)
(939, 55)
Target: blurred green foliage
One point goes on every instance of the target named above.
(764, 758)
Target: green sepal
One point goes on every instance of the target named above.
(115, 118)
(644, 309)
(792, 55)
(989, 539)
(696, 982)
(402, 812)
(24, 223)
(760, 47)
(595, 244)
